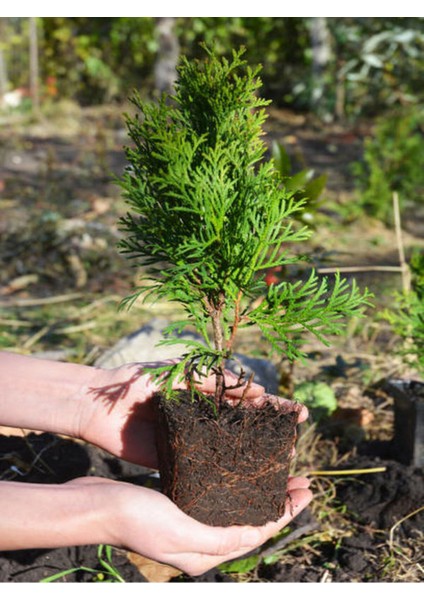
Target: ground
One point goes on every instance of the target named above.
(60, 286)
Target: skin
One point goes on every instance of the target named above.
(113, 410)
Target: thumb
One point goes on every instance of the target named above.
(234, 541)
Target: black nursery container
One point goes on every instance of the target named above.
(408, 440)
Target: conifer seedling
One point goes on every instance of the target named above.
(209, 218)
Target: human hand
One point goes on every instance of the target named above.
(118, 414)
(148, 523)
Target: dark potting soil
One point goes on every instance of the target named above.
(229, 468)
(375, 502)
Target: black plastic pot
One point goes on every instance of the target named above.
(408, 440)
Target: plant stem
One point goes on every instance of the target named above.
(230, 342)
(215, 312)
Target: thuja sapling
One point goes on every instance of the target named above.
(208, 219)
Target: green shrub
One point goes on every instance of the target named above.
(318, 397)
(392, 162)
(407, 316)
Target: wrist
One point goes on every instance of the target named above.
(41, 394)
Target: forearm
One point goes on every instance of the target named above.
(50, 516)
(42, 394)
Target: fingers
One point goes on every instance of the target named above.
(220, 545)
(297, 501)
(280, 402)
(295, 483)
(252, 393)
(236, 391)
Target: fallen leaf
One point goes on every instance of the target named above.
(153, 571)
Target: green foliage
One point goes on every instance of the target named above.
(249, 563)
(392, 162)
(283, 41)
(318, 397)
(380, 61)
(209, 217)
(407, 316)
(303, 184)
(108, 573)
(241, 565)
(94, 59)
(376, 63)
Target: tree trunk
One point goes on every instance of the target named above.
(33, 64)
(321, 54)
(168, 53)
(3, 67)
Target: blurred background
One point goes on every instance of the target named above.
(345, 129)
(337, 67)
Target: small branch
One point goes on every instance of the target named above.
(360, 269)
(248, 386)
(230, 342)
(403, 268)
(41, 301)
(406, 283)
(215, 314)
(347, 472)
(396, 525)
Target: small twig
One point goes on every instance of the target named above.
(15, 323)
(248, 386)
(360, 269)
(398, 229)
(37, 336)
(40, 301)
(403, 265)
(396, 525)
(230, 342)
(348, 471)
(76, 328)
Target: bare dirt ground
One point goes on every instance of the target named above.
(60, 284)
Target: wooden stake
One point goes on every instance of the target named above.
(406, 278)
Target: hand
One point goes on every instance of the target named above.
(145, 521)
(118, 413)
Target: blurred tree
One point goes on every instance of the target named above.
(99, 59)
(379, 63)
(3, 67)
(14, 47)
(392, 162)
(33, 65)
(167, 55)
(280, 44)
(321, 56)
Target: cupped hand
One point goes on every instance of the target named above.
(148, 523)
(118, 411)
